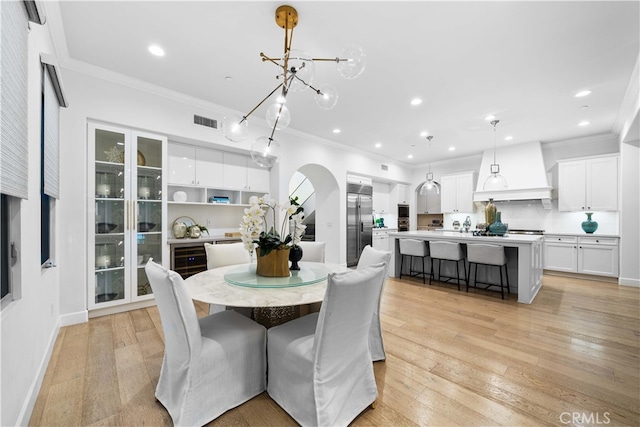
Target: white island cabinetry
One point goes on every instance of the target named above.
(524, 256)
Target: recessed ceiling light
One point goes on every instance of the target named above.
(378, 145)
(584, 123)
(336, 130)
(582, 93)
(424, 133)
(508, 138)
(582, 107)
(156, 50)
(452, 148)
(416, 101)
(490, 117)
(228, 78)
(410, 156)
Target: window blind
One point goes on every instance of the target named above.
(51, 161)
(13, 100)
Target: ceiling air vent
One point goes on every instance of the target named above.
(205, 121)
(384, 167)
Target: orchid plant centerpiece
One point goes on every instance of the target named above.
(258, 227)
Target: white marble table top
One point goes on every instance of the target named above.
(210, 287)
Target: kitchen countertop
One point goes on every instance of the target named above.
(553, 233)
(201, 239)
(456, 235)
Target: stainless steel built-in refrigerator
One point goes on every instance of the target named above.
(359, 220)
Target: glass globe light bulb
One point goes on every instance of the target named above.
(495, 181)
(265, 152)
(304, 67)
(430, 186)
(327, 98)
(234, 128)
(280, 113)
(355, 62)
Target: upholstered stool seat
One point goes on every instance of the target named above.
(447, 251)
(414, 248)
(490, 255)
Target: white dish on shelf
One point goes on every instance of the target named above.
(179, 196)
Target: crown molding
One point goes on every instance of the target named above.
(630, 107)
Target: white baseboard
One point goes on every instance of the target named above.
(74, 318)
(623, 281)
(34, 389)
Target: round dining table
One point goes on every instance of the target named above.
(240, 286)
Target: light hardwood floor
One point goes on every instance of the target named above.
(452, 359)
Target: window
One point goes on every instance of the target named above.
(45, 200)
(9, 241)
(4, 250)
(52, 99)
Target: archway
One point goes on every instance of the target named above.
(327, 208)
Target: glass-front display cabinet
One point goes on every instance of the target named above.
(127, 212)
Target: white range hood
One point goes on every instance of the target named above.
(522, 166)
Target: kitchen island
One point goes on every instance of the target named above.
(524, 256)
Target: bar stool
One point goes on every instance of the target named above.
(447, 251)
(414, 248)
(490, 255)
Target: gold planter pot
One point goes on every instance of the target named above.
(274, 264)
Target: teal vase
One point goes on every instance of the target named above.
(589, 226)
(498, 228)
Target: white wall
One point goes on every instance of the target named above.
(630, 214)
(30, 325)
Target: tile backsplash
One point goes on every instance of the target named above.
(531, 215)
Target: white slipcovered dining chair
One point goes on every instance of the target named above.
(320, 369)
(312, 251)
(221, 255)
(211, 364)
(370, 256)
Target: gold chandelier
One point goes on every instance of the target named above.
(296, 74)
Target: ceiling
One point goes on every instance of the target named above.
(521, 61)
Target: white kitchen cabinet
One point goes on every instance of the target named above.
(598, 255)
(127, 213)
(209, 171)
(582, 254)
(189, 165)
(235, 171)
(589, 184)
(241, 173)
(402, 194)
(380, 239)
(457, 193)
(381, 192)
(429, 203)
(561, 253)
(257, 178)
(212, 176)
